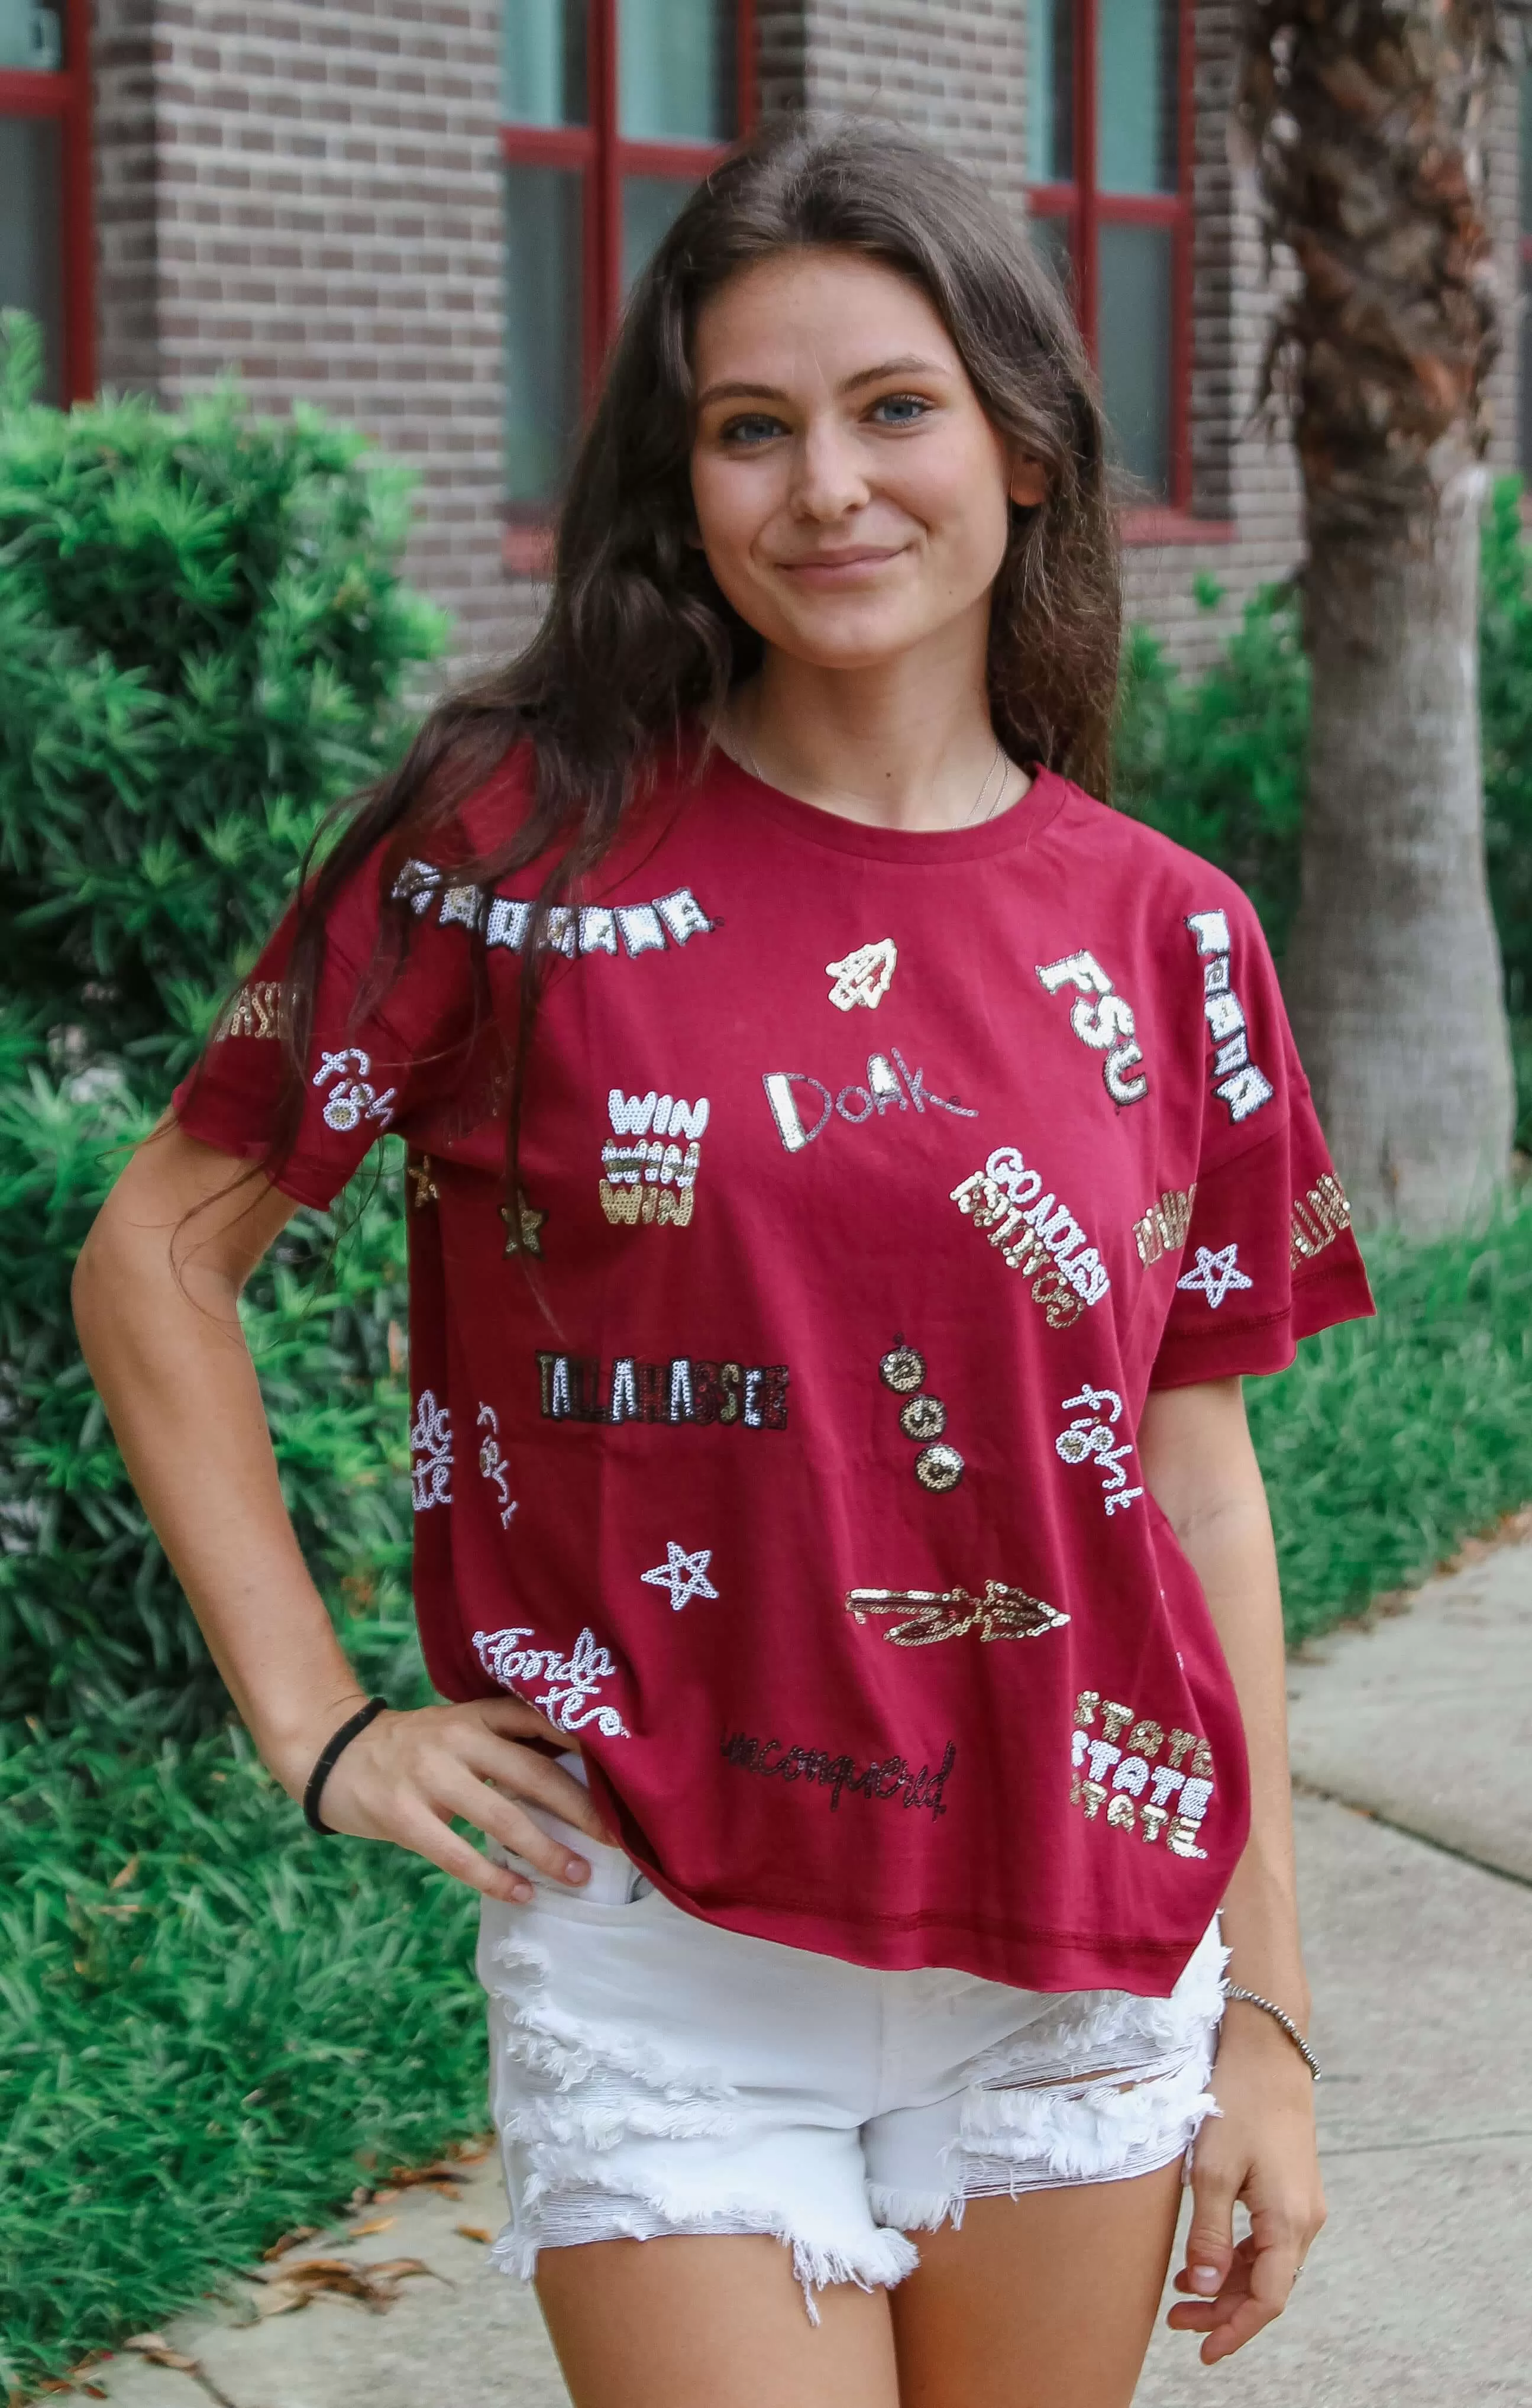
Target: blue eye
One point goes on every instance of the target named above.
(757, 428)
(907, 409)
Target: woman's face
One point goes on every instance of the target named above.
(850, 494)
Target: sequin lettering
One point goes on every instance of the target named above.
(1104, 1774)
(1091, 1437)
(927, 1615)
(651, 1178)
(682, 1391)
(351, 1097)
(431, 1454)
(1237, 1081)
(1163, 1228)
(492, 1463)
(670, 920)
(888, 1783)
(1103, 1019)
(1036, 1235)
(890, 1085)
(255, 1011)
(1319, 1218)
(570, 1700)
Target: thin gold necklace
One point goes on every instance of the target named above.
(748, 761)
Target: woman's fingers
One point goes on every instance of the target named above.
(521, 1773)
(426, 1835)
(502, 1819)
(1210, 2241)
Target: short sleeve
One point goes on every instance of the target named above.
(395, 1063)
(1269, 1255)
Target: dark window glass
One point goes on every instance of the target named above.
(1134, 284)
(543, 327)
(1137, 73)
(1051, 235)
(30, 264)
(651, 206)
(542, 62)
(1049, 92)
(675, 70)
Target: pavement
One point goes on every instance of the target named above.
(1413, 1751)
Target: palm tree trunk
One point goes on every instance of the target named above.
(1393, 971)
(1365, 118)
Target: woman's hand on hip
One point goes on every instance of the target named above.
(407, 1776)
(1260, 2149)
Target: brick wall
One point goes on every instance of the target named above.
(309, 190)
(326, 218)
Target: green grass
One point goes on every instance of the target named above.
(205, 2051)
(1390, 1441)
(211, 2052)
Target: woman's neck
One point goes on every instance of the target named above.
(887, 746)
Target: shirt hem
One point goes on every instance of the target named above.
(1020, 1957)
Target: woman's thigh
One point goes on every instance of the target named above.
(703, 2320)
(1041, 2302)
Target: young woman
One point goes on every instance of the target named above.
(850, 1172)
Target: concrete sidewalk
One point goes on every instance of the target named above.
(1412, 1744)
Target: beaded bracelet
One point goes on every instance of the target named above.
(314, 1788)
(1278, 2015)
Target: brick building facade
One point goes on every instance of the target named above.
(362, 204)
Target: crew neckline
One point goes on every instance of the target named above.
(916, 847)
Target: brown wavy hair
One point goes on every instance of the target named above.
(638, 647)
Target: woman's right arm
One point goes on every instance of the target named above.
(156, 1303)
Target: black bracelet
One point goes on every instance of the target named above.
(326, 1766)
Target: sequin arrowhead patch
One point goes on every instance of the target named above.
(1216, 1270)
(931, 1614)
(864, 975)
(685, 1576)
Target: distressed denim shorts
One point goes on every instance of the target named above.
(651, 2073)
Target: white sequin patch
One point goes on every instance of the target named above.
(569, 1700)
(492, 1464)
(1215, 1271)
(1104, 1774)
(431, 1452)
(1089, 1437)
(1103, 1019)
(1237, 1081)
(864, 975)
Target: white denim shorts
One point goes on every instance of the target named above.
(651, 2073)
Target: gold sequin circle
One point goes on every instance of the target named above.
(938, 1468)
(922, 1417)
(902, 1370)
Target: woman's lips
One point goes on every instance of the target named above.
(839, 567)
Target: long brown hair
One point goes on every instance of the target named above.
(638, 644)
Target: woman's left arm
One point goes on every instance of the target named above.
(1200, 1466)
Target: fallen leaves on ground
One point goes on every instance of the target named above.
(373, 2224)
(159, 2352)
(474, 2231)
(286, 2240)
(294, 2284)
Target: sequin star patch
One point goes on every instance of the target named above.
(864, 975)
(685, 1576)
(1214, 1273)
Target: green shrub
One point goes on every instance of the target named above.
(1219, 762)
(203, 645)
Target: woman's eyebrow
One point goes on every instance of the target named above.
(907, 363)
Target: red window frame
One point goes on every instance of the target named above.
(64, 93)
(1086, 208)
(604, 155)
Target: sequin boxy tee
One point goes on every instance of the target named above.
(869, 1180)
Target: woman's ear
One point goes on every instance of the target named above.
(1028, 484)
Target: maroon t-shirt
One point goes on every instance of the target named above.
(870, 1180)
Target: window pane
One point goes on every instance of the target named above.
(30, 277)
(1049, 92)
(1133, 318)
(1138, 54)
(542, 62)
(29, 36)
(675, 70)
(1051, 235)
(651, 206)
(543, 327)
